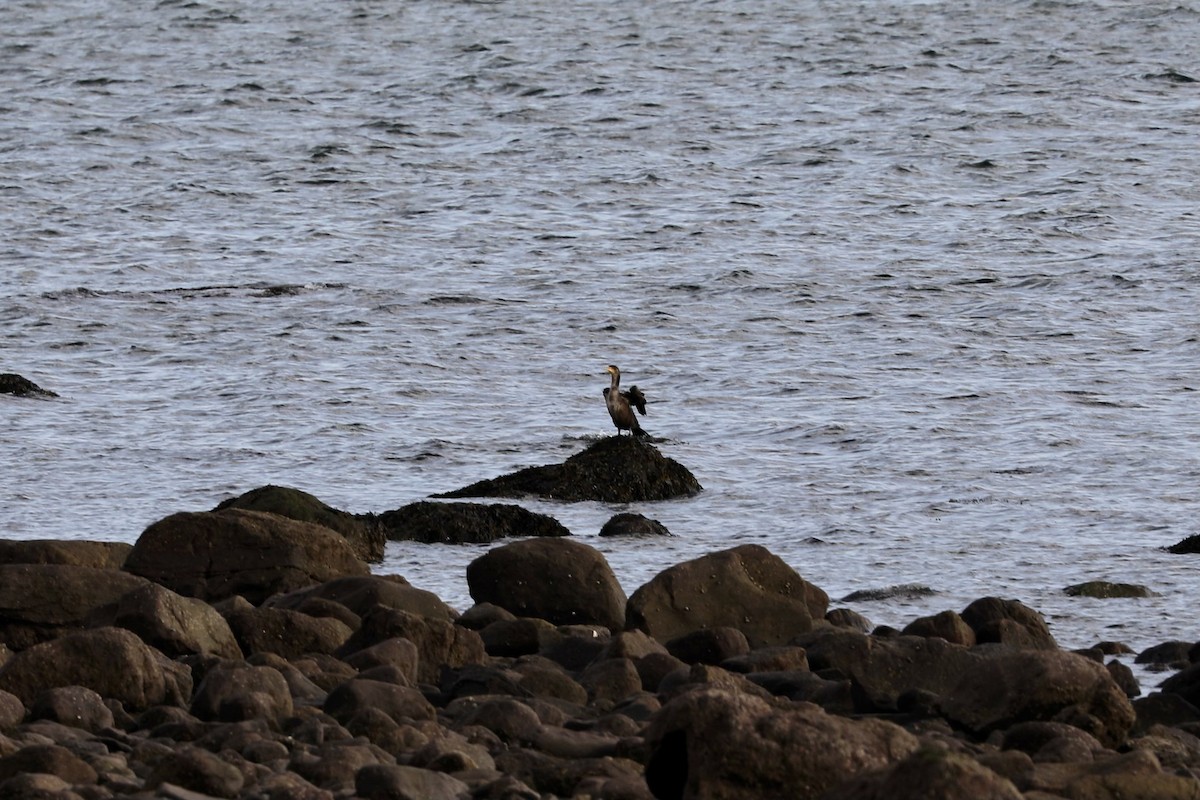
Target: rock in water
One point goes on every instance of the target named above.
(460, 523)
(14, 384)
(619, 469)
(217, 554)
(361, 532)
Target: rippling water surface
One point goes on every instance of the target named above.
(912, 287)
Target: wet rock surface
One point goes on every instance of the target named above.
(459, 523)
(619, 469)
(20, 386)
(719, 678)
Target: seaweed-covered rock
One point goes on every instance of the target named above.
(361, 531)
(217, 554)
(560, 580)
(746, 587)
(619, 469)
(1107, 589)
(20, 386)
(462, 523)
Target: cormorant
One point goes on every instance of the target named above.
(621, 404)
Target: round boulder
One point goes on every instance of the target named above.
(218, 554)
(175, 624)
(746, 587)
(559, 580)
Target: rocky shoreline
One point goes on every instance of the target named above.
(249, 652)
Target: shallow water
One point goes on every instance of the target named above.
(911, 286)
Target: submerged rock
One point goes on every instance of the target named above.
(459, 523)
(628, 524)
(361, 531)
(619, 469)
(1107, 589)
(20, 386)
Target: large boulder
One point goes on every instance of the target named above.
(361, 593)
(361, 531)
(112, 662)
(746, 587)
(714, 743)
(618, 469)
(41, 601)
(217, 554)
(559, 580)
(466, 523)
(1009, 685)
(72, 552)
(175, 624)
(1009, 622)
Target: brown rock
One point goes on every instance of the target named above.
(745, 587)
(71, 552)
(1012, 685)
(286, 633)
(398, 702)
(1008, 622)
(175, 624)
(559, 580)
(50, 759)
(929, 774)
(709, 645)
(197, 770)
(361, 593)
(111, 661)
(235, 691)
(712, 743)
(394, 782)
(40, 601)
(946, 625)
(75, 706)
(460, 523)
(397, 652)
(362, 532)
(214, 555)
(439, 643)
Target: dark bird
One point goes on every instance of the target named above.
(621, 403)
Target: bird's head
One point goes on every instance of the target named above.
(611, 370)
